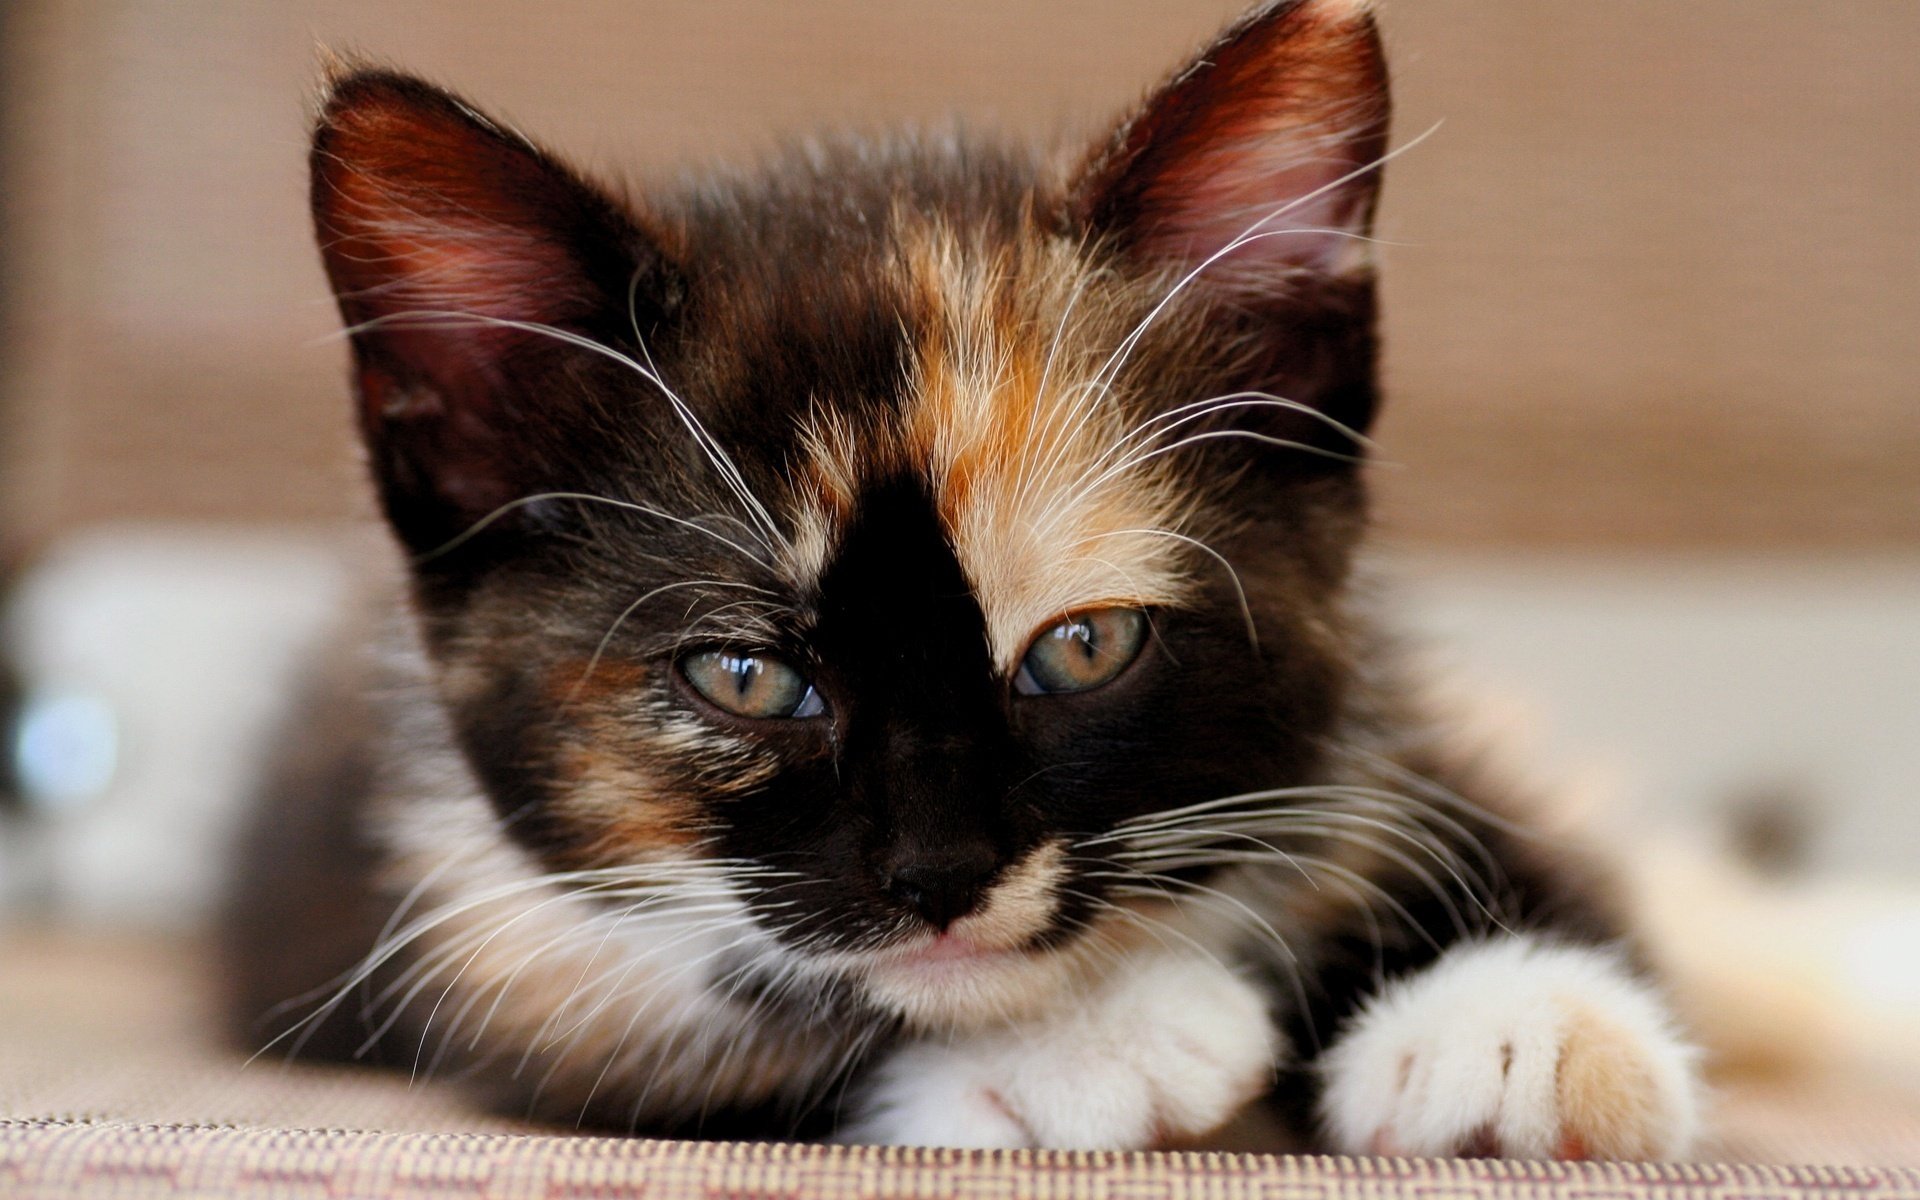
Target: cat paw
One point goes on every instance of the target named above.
(1164, 1055)
(1514, 1048)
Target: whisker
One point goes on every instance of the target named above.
(722, 463)
(474, 530)
(606, 638)
(1110, 369)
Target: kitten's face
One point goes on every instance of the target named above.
(890, 528)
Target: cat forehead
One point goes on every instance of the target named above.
(1040, 473)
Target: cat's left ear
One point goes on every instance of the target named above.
(1259, 159)
(1250, 178)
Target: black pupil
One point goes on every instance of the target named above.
(745, 671)
(1079, 634)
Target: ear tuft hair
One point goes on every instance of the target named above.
(1262, 151)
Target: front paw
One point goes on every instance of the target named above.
(1516, 1048)
(1164, 1055)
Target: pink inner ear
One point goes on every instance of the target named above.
(424, 211)
(435, 287)
(1281, 194)
(441, 232)
(1263, 139)
(456, 265)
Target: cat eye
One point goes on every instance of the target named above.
(1082, 652)
(752, 684)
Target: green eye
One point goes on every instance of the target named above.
(1082, 652)
(751, 684)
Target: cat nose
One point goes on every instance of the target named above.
(941, 892)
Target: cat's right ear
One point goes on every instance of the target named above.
(457, 251)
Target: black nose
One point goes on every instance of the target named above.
(941, 892)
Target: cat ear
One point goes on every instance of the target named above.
(1260, 152)
(1251, 176)
(447, 238)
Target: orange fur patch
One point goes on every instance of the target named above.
(626, 814)
(1022, 904)
(1029, 458)
(631, 818)
(1035, 471)
(1609, 1101)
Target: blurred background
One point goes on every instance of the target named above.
(1652, 451)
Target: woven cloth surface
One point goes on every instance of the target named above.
(111, 1082)
(43, 1162)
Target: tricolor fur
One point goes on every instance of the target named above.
(887, 412)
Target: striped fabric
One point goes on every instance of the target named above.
(47, 1160)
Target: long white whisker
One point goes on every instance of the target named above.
(1109, 370)
(1239, 590)
(475, 529)
(606, 638)
(723, 463)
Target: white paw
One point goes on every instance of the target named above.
(1517, 1048)
(1166, 1053)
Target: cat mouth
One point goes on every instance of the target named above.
(947, 958)
(947, 950)
(958, 980)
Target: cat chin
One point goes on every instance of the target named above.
(935, 987)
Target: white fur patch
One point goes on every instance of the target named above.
(1516, 1047)
(1169, 1050)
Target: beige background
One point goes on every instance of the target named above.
(1655, 278)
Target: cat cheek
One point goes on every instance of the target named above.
(619, 810)
(622, 794)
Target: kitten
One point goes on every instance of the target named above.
(883, 663)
